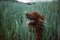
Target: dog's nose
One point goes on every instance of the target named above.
(26, 13)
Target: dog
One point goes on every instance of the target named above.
(36, 22)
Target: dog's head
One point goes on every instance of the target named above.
(34, 16)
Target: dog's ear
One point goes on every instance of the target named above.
(39, 16)
(36, 15)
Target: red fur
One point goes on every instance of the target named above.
(35, 16)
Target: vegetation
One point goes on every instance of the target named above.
(13, 21)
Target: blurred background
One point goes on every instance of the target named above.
(13, 20)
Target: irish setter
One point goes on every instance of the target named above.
(36, 21)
